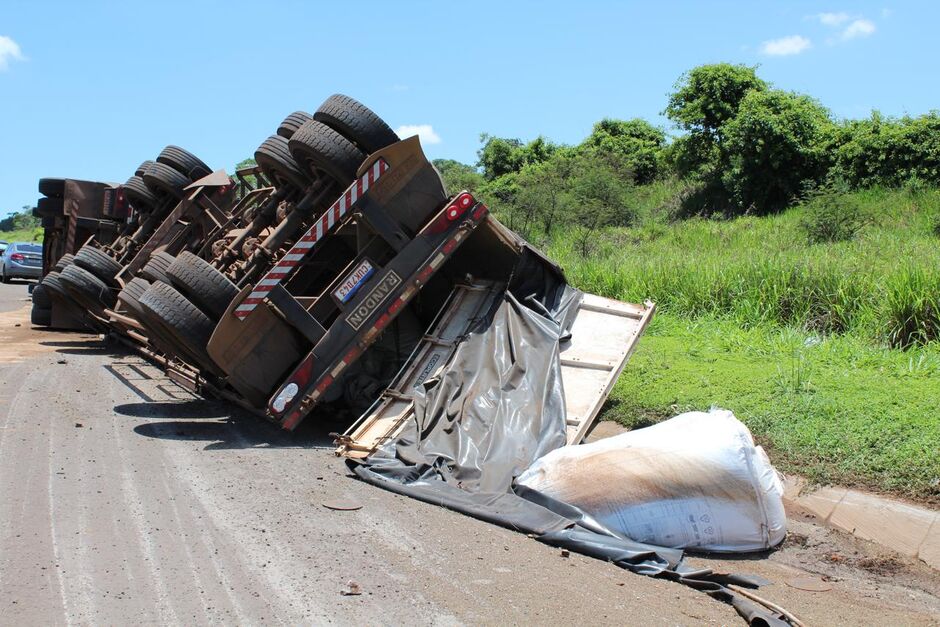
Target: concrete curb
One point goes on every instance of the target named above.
(907, 529)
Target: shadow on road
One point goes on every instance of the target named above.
(193, 409)
(236, 430)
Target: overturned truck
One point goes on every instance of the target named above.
(348, 279)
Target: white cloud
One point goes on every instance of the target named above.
(424, 131)
(858, 28)
(794, 44)
(833, 19)
(9, 51)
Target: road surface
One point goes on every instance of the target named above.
(124, 499)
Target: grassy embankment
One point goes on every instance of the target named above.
(802, 341)
(22, 235)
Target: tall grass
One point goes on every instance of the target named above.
(884, 283)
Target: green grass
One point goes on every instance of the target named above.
(827, 351)
(834, 409)
(22, 235)
(883, 284)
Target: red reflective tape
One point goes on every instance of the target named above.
(427, 272)
(382, 321)
(449, 246)
(352, 355)
(479, 212)
(393, 309)
(324, 383)
(291, 421)
(252, 301)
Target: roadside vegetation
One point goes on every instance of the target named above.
(21, 226)
(794, 259)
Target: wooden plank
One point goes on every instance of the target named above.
(605, 332)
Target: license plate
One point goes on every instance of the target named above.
(353, 281)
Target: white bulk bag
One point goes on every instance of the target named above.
(695, 481)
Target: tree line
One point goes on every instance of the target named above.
(742, 146)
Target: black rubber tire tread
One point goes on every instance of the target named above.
(87, 289)
(184, 162)
(139, 194)
(275, 160)
(163, 180)
(53, 284)
(53, 188)
(292, 122)
(190, 329)
(130, 297)
(63, 261)
(156, 267)
(41, 297)
(206, 287)
(143, 168)
(317, 147)
(50, 207)
(356, 122)
(131, 294)
(40, 316)
(98, 263)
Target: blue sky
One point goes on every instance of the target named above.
(90, 89)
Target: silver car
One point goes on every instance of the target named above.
(21, 260)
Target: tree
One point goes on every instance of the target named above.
(500, 156)
(887, 151)
(638, 144)
(458, 176)
(773, 146)
(704, 100)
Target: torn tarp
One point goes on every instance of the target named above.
(497, 407)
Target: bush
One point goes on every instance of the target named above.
(888, 151)
(773, 147)
(636, 143)
(831, 216)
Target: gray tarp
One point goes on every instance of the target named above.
(498, 407)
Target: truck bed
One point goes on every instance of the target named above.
(603, 336)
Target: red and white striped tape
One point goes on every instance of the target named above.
(305, 244)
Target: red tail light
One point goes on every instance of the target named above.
(18, 257)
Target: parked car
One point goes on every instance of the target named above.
(21, 260)
(3, 246)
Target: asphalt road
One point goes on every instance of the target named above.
(124, 499)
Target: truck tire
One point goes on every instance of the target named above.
(41, 297)
(40, 316)
(275, 160)
(318, 148)
(206, 287)
(142, 168)
(50, 207)
(356, 122)
(87, 289)
(131, 294)
(156, 267)
(292, 122)
(139, 195)
(190, 329)
(53, 285)
(99, 264)
(53, 188)
(163, 180)
(184, 162)
(63, 261)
